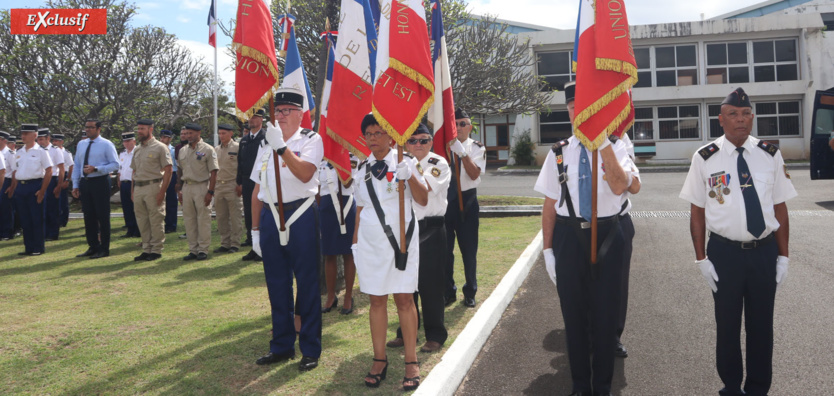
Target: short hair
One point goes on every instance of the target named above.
(368, 121)
(98, 123)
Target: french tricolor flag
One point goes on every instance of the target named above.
(294, 74)
(212, 24)
(441, 114)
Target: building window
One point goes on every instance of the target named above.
(775, 60)
(828, 20)
(679, 122)
(644, 67)
(727, 63)
(497, 136)
(554, 127)
(676, 66)
(556, 69)
(643, 128)
(777, 119)
(715, 129)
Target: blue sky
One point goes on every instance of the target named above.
(187, 18)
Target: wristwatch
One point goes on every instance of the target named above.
(281, 150)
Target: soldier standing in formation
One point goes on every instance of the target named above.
(31, 179)
(737, 187)
(6, 208)
(227, 201)
(248, 150)
(171, 202)
(151, 174)
(63, 200)
(464, 224)
(125, 183)
(197, 178)
(52, 215)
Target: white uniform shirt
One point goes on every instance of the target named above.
(632, 172)
(438, 176)
(125, 171)
(386, 191)
(2, 163)
(770, 178)
(328, 176)
(68, 162)
(8, 156)
(57, 158)
(307, 147)
(32, 163)
(477, 153)
(608, 203)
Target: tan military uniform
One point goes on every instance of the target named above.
(195, 166)
(227, 205)
(149, 161)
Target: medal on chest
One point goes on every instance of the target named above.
(393, 184)
(604, 175)
(719, 186)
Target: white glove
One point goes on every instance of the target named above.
(256, 242)
(708, 271)
(781, 270)
(457, 148)
(403, 171)
(274, 136)
(550, 263)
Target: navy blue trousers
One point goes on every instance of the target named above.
(6, 212)
(746, 286)
(31, 215)
(466, 231)
(628, 233)
(171, 204)
(95, 204)
(53, 211)
(300, 258)
(63, 207)
(127, 208)
(586, 299)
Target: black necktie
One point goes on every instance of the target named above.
(87, 156)
(379, 169)
(752, 206)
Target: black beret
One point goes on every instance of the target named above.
(166, 132)
(461, 113)
(422, 128)
(260, 113)
(368, 120)
(43, 132)
(29, 128)
(193, 126)
(226, 127)
(737, 98)
(289, 96)
(4, 135)
(57, 136)
(570, 91)
(144, 121)
(128, 136)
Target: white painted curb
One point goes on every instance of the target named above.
(447, 375)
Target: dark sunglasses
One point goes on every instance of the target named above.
(463, 124)
(420, 141)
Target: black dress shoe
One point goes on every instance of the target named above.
(469, 302)
(202, 256)
(308, 363)
(221, 249)
(88, 253)
(153, 256)
(24, 254)
(141, 257)
(246, 243)
(450, 300)
(50, 239)
(272, 358)
(620, 351)
(99, 255)
(330, 308)
(191, 256)
(251, 256)
(347, 311)
(171, 231)
(233, 249)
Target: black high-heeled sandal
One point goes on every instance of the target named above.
(347, 311)
(377, 377)
(415, 380)
(330, 308)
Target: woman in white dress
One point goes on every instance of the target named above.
(379, 266)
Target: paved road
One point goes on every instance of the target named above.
(670, 333)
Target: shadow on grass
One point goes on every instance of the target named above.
(210, 273)
(255, 279)
(31, 268)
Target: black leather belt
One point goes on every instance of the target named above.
(147, 182)
(290, 206)
(602, 221)
(432, 221)
(744, 245)
(30, 181)
(126, 181)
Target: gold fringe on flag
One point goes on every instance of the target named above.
(610, 129)
(348, 145)
(425, 83)
(264, 60)
(338, 167)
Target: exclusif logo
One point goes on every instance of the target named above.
(59, 21)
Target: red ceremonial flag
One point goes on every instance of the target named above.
(605, 72)
(334, 152)
(256, 71)
(404, 87)
(442, 112)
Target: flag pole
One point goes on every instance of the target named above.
(401, 188)
(214, 86)
(277, 169)
(457, 178)
(594, 188)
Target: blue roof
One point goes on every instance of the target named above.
(765, 9)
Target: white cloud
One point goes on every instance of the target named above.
(195, 4)
(225, 61)
(183, 19)
(147, 6)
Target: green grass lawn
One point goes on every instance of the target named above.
(504, 200)
(115, 326)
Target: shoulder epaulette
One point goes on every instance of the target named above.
(409, 155)
(771, 149)
(308, 132)
(353, 164)
(362, 163)
(477, 143)
(708, 151)
(433, 161)
(557, 147)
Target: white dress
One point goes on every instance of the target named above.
(374, 255)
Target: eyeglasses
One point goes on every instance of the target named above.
(463, 124)
(286, 112)
(375, 135)
(418, 141)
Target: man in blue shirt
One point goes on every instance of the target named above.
(95, 159)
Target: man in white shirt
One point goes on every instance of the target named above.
(124, 182)
(52, 218)
(63, 200)
(6, 209)
(33, 172)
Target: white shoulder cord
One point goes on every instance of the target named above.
(284, 236)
